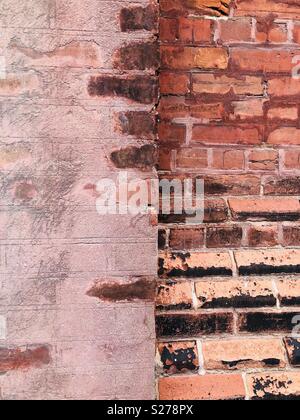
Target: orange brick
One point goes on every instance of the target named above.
(283, 86)
(268, 261)
(174, 295)
(289, 292)
(208, 387)
(195, 264)
(265, 209)
(193, 57)
(235, 293)
(243, 354)
(285, 136)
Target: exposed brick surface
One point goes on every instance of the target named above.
(208, 387)
(229, 110)
(243, 354)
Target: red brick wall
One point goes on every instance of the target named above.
(229, 114)
(76, 288)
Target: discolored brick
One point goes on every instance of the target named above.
(174, 295)
(191, 325)
(235, 293)
(179, 357)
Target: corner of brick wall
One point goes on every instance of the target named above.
(229, 288)
(77, 101)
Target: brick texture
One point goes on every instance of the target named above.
(229, 114)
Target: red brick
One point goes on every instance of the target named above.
(174, 83)
(201, 7)
(282, 9)
(183, 58)
(216, 211)
(292, 159)
(174, 107)
(215, 84)
(283, 86)
(285, 136)
(174, 295)
(247, 109)
(186, 238)
(236, 30)
(208, 387)
(263, 236)
(228, 159)
(291, 235)
(282, 186)
(224, 237)
(168, 29)
(243, 354)
(296, 34)
(203, 29)
(226, 135)
(232, 185)
(264, 61)
(165, 159)
(190, 158)
(263, 160)
(265, 209)
(289, 113)
(171, 133)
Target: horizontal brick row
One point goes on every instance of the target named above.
(256, 292)
(214, 263)
(234, 235)
(199, 324)
(207, 160)
(228, 32)
(260, 386)
(227, 354)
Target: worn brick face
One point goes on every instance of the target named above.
(78, 91)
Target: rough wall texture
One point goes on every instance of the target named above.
(229, 113)
(79, 85)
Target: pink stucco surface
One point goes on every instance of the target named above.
(56, 141)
